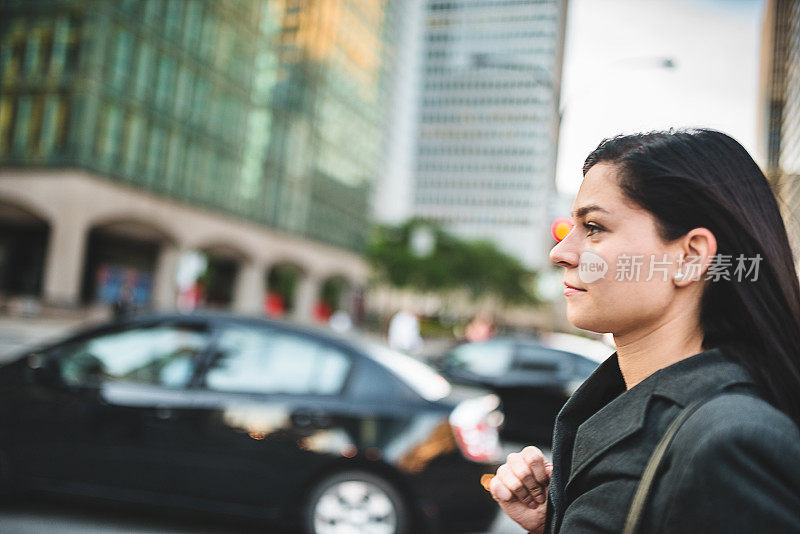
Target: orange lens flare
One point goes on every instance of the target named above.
(560, 228)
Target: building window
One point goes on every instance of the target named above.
(6, 123)
(35, 129)
(23, 117)
(14, 51)
(121, 64)
(132, 146)
(144, 69)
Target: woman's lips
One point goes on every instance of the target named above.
(570, 290)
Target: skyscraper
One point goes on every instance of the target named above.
(779, 118)
(329, 117)
(489, 120)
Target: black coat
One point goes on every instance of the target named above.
(734, 466)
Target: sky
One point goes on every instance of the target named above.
(612, 82)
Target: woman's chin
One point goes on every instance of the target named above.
(586, 321)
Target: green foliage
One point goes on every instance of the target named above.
(477, 266)
(283, 280)
(332, 290)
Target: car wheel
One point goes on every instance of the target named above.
(355, 501)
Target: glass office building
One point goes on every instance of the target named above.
(266, 114)
(779, 118)
(329, 110)
(489, 120)
(172, 97)
(189, 99)
(790, 135)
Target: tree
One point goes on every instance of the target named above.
(477, 266)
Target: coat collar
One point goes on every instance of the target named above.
(584, 432)
(604, 384)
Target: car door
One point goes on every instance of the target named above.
(112, 418)
(270, 411)
(535, 390)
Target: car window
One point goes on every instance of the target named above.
(490, 358)
(261, 360)
(584, 366)
(163, 355)
(418, 376)
(543, 360)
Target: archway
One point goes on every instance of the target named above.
(121, 261)
(334, 295)
(283, 279)
(23, 246)
(219, 279)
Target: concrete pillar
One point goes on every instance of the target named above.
(165, 290)
(63, 270)
(306, 296)
(251, 287)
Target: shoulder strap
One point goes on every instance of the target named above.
(649, 473)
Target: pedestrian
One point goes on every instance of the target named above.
(340, 321)
(404, 332)
(123, 304)
(704, 386)
(480, 329)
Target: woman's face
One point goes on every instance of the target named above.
(614, 254)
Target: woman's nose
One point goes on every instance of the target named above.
(564, 252)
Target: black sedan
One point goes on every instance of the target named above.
(532, 380)
(253, 417)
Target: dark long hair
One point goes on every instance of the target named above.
(703, 178)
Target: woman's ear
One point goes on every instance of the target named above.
(697, 250)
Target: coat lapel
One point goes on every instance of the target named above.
(601, 413)
(603, 385)
(615, 421)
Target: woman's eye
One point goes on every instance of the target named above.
(590, 227)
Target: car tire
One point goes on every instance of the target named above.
(362, 500)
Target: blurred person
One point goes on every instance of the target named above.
(481, 328)
(123, 305)
(404, 332)
(340, 321)
(721, 352)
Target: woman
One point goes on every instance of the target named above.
(664, 222)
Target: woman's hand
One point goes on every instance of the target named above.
(520, 488)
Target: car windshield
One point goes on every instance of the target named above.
(419, 376)
(491, 358)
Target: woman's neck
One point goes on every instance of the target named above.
(641, 354)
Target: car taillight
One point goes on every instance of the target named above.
(474, 423)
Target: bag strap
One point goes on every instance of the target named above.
(649, 474)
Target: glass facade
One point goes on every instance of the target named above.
(780, 115)
(790, 133)
(329, 117)
(789, 159)
(265, 110)
(488, 120)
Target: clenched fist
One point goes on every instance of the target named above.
(520, 488)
